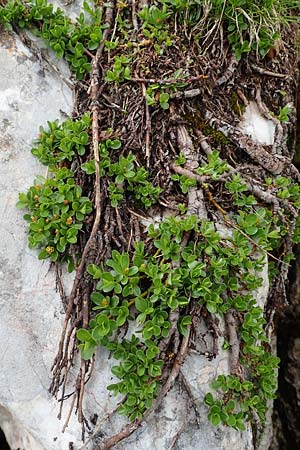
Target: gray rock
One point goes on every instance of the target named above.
(30, 306)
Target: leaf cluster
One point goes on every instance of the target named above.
(61, 142)
(56, 212)
(147, 287)
(124, 175)
(121, 70)
(68, 39)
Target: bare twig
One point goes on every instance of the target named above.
(134, 15)
(189, 93)
(203, 142)
(187, 80)
(66, 424)
(229, 72)
(147, 126)
(85, 322)
(176, 437)
(104, 419)
(223, 212)
(189, 392)
(276, 164)
(188, 173)
(234, 343)
(94, 87)
(60, 284)
(263, 71)
(242, 96)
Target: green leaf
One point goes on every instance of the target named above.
(21, 204)
(184, 324)
(131, 400)
(122, 315)
(99, 299)
(164, 105)
(108, 282)
(84, 335)
(87, 349)
(274, 234)
(118, 371)
(103, 325)
(239, 425)
(132, 271)
(93, 45)
(152, 352)
(115, 144)
(94, 271)
(141, 371)
(141, 304)
(43, 254)
(231, 420)
(215, 419)
(164, 97)
(155, 370)
(141, 355)
(208, 399)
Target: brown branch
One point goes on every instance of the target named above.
(203, 142)
(60, 283)
(276, 164)
(242, 96)
(192, 399)
(66, 424)
(263, 71)
(189, 93)
(234, 343)
(188, 173)
(177, 436)
(229, 72)
(214, 202)
(188, 80)
(148, 126)
(85, 322)
(87, 52)
(134, 16)
(256, 190)
(226, 218)
(93, 90)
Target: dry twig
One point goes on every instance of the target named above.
(62, 353)
(234, 343)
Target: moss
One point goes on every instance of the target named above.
(236, 106)
(216, 135)
(197, 122)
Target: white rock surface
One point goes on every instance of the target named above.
(255, 125)
(31, 313)
(30, 306)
